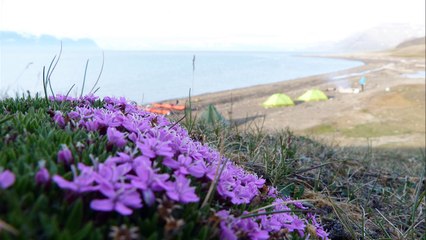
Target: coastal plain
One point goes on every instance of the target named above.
(390, 113)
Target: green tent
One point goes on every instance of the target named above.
(313, 95)
(278, 100)
(211, 116)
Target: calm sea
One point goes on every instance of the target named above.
(154, 76)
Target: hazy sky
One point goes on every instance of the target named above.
(200, 24)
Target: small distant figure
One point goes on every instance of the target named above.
(362, 82)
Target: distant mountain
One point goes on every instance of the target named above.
(412, 48)
(412, 42)
(382, 37)
(8, 38)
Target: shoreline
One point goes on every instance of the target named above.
(337, 119)
(270, 88)
(263, 86)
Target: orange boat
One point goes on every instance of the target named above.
(157, 110)
(169, 106)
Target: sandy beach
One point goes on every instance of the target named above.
(389, 113)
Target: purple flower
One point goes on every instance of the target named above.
(7, 178)
(250, 227)
(238, 185)
(321, 233)
(82, 183)
(198, 169)
(299, 205)
(73, 115)
(185, 165)
(253, 179)
(123, 181)
(272, 192)
(61, 98)
(115, 101)
(64, 184)
(90, 98)
(211, 170)
(244, 227)
(294, 223)
(133, 137)
(121, 200)
(135, 125)
(121, 158)
(59, 119)
(65, 155)
(152, 147)
(277, 221)
(181, 166)
(226, 232)
(270, 222)
(108, 119)
(91, 126)
(148, 179)
(42, 176)
(113, 173)
(226, 184)
(280, 204)
(242, 194)
(318, 228)
(181, 191)
(116, 137)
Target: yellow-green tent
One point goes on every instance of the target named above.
(313, 95)
(278, 100)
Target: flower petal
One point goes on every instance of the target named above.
(122, 209)
(104, 205)
(64, 184)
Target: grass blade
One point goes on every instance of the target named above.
(48, 74)
(390, 223)
(68, 93)
(96, 90)
(44, 84)
(84, 78)
(50, 71)
(100, 73)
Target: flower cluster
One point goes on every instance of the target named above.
(155, 159)
(279, 223)
(88, 99)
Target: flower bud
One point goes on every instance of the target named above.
(65, 155)
(42, 176)
(7, 178)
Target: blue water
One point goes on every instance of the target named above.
(419, 74)
(155, 76)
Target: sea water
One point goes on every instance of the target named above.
(145, 77)
(419, 74)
